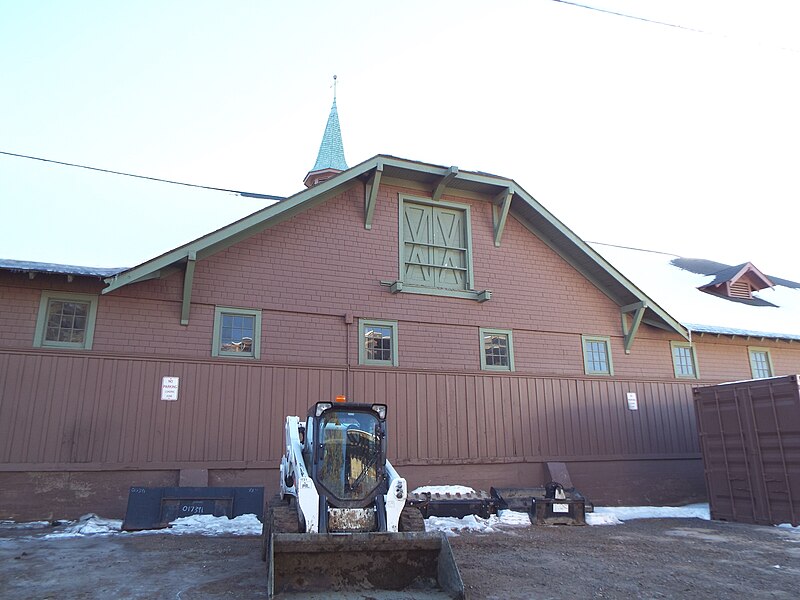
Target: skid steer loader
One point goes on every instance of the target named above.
(340, 527)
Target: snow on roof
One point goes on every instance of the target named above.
(774, 314)
(36, 267)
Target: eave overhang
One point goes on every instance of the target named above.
(508, 199)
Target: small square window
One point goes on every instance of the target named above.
(760, 362)
(497, 350)
(237, 332)
(65, 320)
(597, 355)
(377, 342)
(684, 360)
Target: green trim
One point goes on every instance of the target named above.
(629, 331)
(500, 207)
(371, 193)
(600, 339)
(483, 332)
(216, 342)
(362, 351)
(188, 278)
(438, 191)
(693, 352)
(398, 286)
(753, 349)
(41, 320)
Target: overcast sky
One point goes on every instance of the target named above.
(684, 138)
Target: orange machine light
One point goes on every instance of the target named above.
(341, 398)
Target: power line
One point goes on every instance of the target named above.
(627, 16)
(205, 187)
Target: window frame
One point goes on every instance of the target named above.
(39, 340)
(362, 351)
(216, 341)
(597, 338)
(483, 332)
(691, 347)
(753, 349)
(468, 291)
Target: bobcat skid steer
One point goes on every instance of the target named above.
(340, 527)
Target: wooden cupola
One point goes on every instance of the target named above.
(738, 282)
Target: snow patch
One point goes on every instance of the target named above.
(7, 524)
(615, 515)
(444, 489)
(89, 524)
(474, 523)
(211, 525)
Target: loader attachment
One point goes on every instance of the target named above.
(376, 565)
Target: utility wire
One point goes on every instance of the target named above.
(619, 14)
(205, 187)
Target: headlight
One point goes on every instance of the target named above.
(322, 407)
(381, 410)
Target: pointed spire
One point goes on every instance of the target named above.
(330, 159)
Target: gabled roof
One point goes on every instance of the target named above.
(677, 282)
(507, 192)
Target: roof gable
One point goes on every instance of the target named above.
(508, 198)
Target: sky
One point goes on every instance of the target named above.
(681, 137)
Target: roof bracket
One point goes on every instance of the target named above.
(371, 194)
(438, 191)
(188, 278)
(629, 330)
(500, 206)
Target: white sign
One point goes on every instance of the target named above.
(560, 508)
(633, 404)
(169, 388)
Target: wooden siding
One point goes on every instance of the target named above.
(60, 410)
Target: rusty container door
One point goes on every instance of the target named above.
(750, 440)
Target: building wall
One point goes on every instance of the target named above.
(78, 428)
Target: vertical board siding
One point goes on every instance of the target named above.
(60, 409)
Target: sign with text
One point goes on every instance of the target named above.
(633, 403)
(169, 388)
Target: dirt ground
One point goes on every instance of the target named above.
(655, 558)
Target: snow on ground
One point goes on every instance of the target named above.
(453, 525)
(89, 524)
(211, 525)
(615, 515)
(444, 490)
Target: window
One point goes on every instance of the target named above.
(597, 355)
(497, 350)
(684, 360)
(435, 249)
(760, 362)
(237, 332)
(65, 320)
(377, 342)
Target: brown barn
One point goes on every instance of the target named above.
(499, 339)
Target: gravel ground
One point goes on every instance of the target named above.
(650, 558)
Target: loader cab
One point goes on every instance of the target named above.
(345, 451)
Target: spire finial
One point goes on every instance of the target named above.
(334, 88)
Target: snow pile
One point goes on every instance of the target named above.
(615, 515)
(444, 490)
(453, 525)
(89, 524)
(211, 525)
(6, 524)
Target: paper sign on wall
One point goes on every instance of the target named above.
(633, 403)
(169, 388)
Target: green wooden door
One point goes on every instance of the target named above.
(434, 246)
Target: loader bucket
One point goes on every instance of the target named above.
(385, 566)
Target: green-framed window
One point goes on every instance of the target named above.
(435, 248)
(597, 355)
(497, 349)
(237, 332)
(760, 362)
(684, 360)
(377, 342)
(65, 320)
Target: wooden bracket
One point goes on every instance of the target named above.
(438, 191)
(188, 278)
(500, 206)
(371, 195)
(629, 330)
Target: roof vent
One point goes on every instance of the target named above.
(738, 282)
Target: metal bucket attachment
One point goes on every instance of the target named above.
(345, 566)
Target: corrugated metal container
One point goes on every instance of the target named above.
(750, 440)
